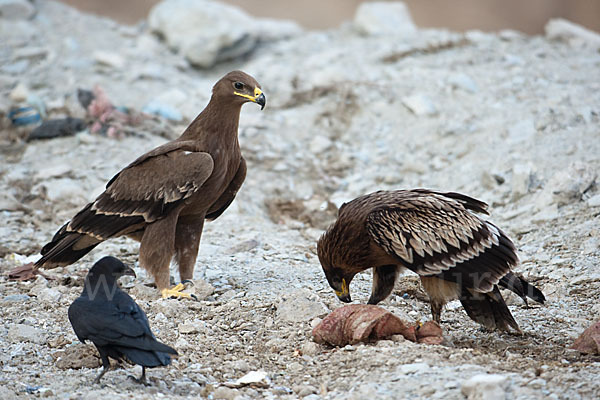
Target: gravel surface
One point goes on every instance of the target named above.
(507, 118)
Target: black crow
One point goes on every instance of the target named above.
(109, 318)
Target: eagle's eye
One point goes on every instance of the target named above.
(238, 85)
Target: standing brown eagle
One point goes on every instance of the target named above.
(457, 254)
(163, 197)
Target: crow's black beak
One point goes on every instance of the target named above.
(129, 271)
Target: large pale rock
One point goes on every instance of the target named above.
(274, 29)
(207, 32)
(384, 18)
(574, 34)
(16, 9)
(568, 185)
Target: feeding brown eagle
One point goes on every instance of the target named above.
(457, 254)
(163, 197)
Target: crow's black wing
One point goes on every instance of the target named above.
(120, 323)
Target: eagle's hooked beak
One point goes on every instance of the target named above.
(344, 294)
(258, 98)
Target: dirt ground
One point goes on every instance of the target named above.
(507, 118)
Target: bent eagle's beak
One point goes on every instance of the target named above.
(258, 98)
(344, 294)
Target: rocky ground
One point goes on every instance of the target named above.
(510, 119)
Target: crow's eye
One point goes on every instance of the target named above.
(238, 85)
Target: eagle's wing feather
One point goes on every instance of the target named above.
(434, 234)
(145, 191)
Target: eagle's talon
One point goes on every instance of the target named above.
(175, 292)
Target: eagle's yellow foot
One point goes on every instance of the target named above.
(175, 291)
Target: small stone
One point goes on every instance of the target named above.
(384, 18)
(16, 68)
(509, 34)
(182, 344)
(451, 385)
(143, 292)
(397, 338)
(40, 282)
(594, 201)
(16, 9)
(538, 383)
(485, 387)
(252, 378)
(108, 58)
(19, 93)
(464, 82)
(15, 298)
(58, 341)
(49, 295)
(31, 53)
(419, 104)
(26, 333)
(294, 367)
(522, 180)
(312, 396)
(315, 322)
(590, 246)
(77, 356)
(244, 246)
(282, 390)
(300, 305)
(414, 368)
(53, 171)
(200, 288)
(304, 390)
(319, 144)
(310, 348)
(521, 131)
(512, 60)
(6, 393)
(225, 393)
(151, 71)
(167, 111)
(192, 327)
(63, 189)
(241, 365)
